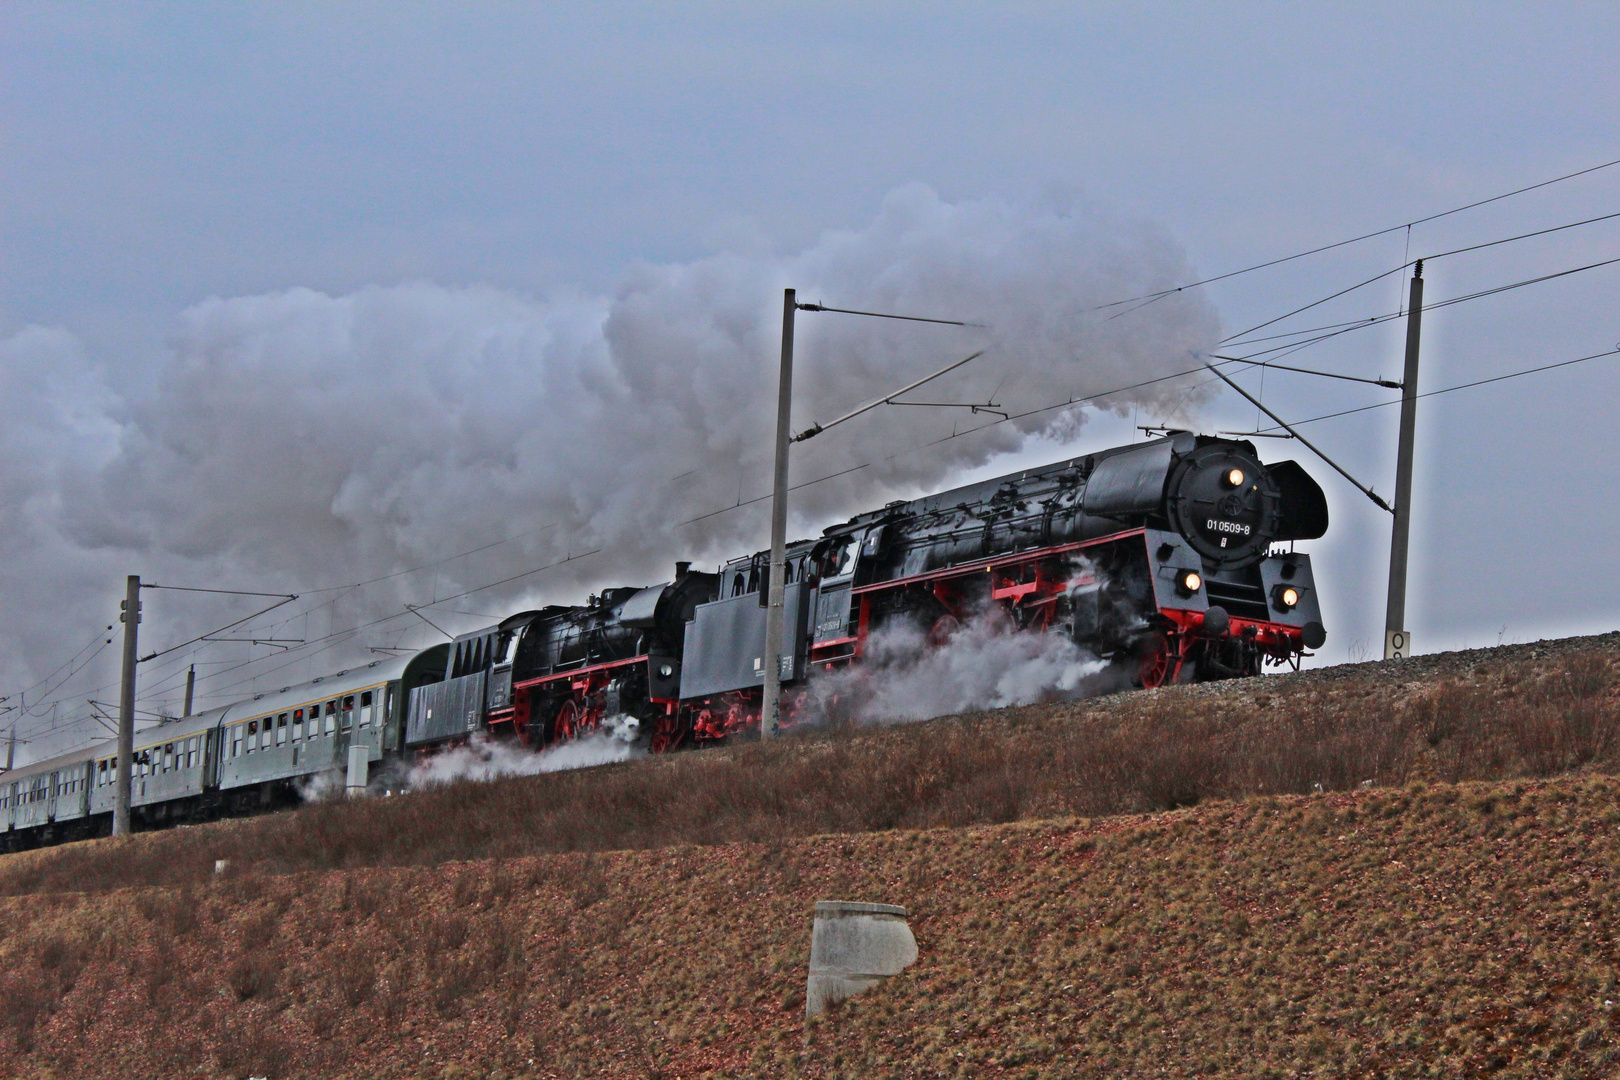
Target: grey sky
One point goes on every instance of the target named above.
(157, 155)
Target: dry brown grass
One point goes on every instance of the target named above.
(1432, 930)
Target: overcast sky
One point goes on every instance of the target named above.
(246, 249)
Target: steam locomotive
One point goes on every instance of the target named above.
(1164, 558)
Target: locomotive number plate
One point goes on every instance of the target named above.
(1234, 527)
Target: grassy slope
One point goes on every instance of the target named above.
(1400, 930)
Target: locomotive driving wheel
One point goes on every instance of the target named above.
(568, 718)
(668, 732)
(944, 628)
(1160, 662)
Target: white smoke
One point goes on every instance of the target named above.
(297, 439)
(617, 738)
(985, 664)
(322, 786)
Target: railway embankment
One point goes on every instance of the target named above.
(1381, 869)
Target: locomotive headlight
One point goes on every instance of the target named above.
(1234, 478)
(1285, 598)
(665, 670)
(1189, 582)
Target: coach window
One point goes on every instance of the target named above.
(298, 724)
(348, 712)
(253, 736)
(281, 730)
(331, 717)
(365, 709)
(191, 752)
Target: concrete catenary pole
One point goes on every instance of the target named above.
(770, 719)
(126, 707)
(191, 686)
(1397, 639)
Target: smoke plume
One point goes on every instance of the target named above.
(298, 440)
(618, 738)
(985, 664)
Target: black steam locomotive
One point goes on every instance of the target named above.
(1157, 556)
(1162, 557)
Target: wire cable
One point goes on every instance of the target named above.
(1460, 386)
(1355, 239)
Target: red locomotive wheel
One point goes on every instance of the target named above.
(567, 721)
(667, 734)
(1160, 663)
(944, 628)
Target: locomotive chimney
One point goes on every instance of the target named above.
(681, 568)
